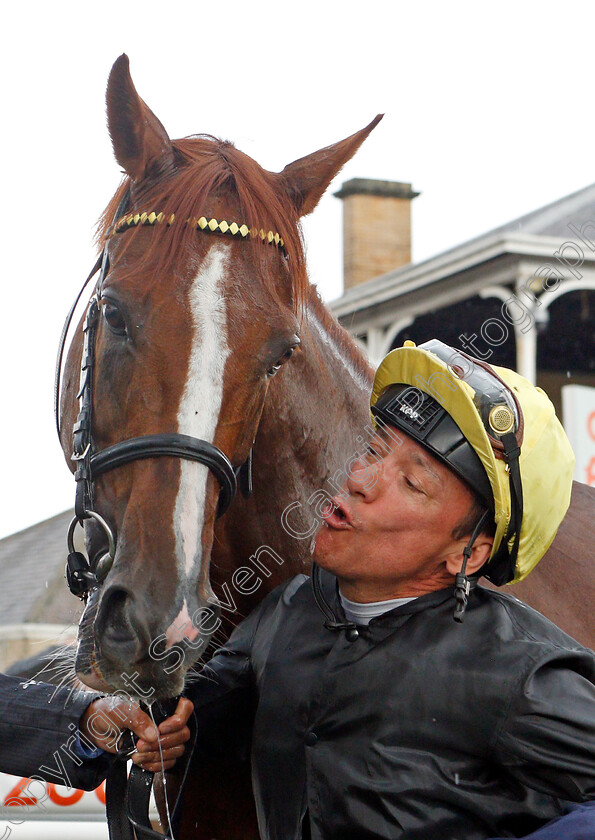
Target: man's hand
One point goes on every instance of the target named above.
(105, 719)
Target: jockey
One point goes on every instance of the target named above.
(372, 714)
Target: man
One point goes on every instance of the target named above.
(376, 715)
(66, 737)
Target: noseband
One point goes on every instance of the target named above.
(91, 464)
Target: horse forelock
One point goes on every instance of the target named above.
(211, 170)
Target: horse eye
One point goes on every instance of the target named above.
(273, 370)
(284, 358)
(114, 318)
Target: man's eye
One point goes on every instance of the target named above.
(411, 485)
(114, 318)
(377, 450)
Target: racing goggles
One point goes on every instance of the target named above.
(496, 405)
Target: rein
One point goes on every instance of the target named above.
(127, 798)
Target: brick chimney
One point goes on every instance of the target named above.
(376, 228)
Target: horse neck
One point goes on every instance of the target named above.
(329, 392)
(342, 359)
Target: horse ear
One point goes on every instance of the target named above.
(306, 179)
(141, 144)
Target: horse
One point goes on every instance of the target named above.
(206, 352)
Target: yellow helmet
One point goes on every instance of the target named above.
(512, 429)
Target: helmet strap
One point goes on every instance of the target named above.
(502, 567)
(462, 583)
(512, 452)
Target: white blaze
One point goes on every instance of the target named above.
(200, 404)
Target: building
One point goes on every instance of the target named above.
(37, 611)
(522, 295)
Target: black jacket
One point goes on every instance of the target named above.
(421, 728)
(38, 724)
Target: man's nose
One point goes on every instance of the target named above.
(363, 477)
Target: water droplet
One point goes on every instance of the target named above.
(457, 778)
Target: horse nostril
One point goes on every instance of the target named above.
(114, 612)
(121, 633)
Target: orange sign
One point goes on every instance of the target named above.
(20, 795)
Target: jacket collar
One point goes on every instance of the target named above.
(328, 588)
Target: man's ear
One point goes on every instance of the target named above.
(480, 552)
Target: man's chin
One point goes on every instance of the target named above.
(320, 548)
(323, 554)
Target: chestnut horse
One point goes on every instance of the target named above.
(207, 327)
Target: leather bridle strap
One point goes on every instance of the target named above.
(116, 784)
(127, 800)
(62, 344)
(101, 265)
(175, 446)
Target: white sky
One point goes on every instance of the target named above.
(488, 114)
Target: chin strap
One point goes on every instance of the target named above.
(502, 566)
(463, 585)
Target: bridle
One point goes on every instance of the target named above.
(81, 575)
(128, 799)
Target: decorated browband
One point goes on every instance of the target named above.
(204, 224)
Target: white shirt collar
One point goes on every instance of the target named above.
(362, 614)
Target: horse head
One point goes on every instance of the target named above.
(198, 307)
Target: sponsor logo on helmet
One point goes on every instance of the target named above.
(410, 412)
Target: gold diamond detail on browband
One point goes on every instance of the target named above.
(207, 225)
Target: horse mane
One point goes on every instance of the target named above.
(208, 168)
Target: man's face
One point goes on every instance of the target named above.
(392, 537)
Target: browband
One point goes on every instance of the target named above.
(204, 224)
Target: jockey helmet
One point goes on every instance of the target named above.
(496, 431)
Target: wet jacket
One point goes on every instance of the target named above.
(420, 728)
(38, 723)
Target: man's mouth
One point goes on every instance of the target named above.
(337, 516)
